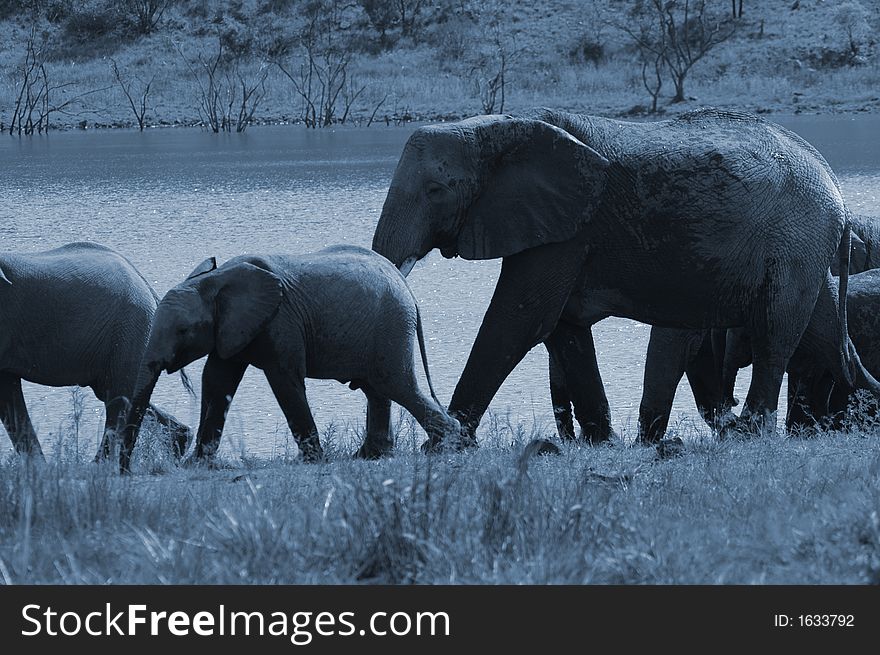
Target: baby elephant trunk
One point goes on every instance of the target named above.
(146, 382)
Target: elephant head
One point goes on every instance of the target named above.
(214, 310)
(487, 187)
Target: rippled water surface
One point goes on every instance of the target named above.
(169, 198)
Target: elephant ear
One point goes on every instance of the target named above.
(541, 186)
(247, 299)
(210, 264)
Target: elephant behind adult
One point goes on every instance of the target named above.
(76, 315)
(701, 354)
(815, 392)
(712, 219)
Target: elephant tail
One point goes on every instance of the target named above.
(421, 337)
(849, 365)
(187, 383)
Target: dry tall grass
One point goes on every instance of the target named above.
(780, 510)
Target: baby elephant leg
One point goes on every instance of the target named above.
(220, 380)
(290, 391)
(378, 441)
(440, 426)
(15, 417)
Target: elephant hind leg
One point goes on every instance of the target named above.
(774, 331)
(402, 387)
(378, 442)
(115, 413)
(669, 353)
(15, 417)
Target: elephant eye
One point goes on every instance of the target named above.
(436, 191)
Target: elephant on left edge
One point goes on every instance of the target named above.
(76, 315)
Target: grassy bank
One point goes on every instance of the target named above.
(763, 511)
(558, 53)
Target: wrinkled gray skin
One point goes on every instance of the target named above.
(815, 390)
(701, 355)
(712, 219)
(76, 315)
(342, 313)
(815, 396)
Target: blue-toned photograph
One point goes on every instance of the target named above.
(439, 292)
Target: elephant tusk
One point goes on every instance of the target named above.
(408, 264)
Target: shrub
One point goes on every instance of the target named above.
(587, 51)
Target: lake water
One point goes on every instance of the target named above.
(169, 198)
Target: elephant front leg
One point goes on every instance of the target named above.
(532, 290)
(377, 443)
(290, 391)
(16, 419)
(571, 347)
(220, 380)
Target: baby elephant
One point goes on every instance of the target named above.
(343, 313)
(76, 315)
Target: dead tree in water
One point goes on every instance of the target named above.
(220, 78)
(139, 109)
(35, 101)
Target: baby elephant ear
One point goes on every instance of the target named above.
(247, 300)
(206, 266)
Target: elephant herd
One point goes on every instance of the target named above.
(727, 233)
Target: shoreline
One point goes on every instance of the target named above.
(872, 106)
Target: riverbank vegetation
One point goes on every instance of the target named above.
(772, 510)
(226, 64)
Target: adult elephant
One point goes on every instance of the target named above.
(76, 315)
(712, 219)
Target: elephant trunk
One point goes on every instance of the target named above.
(402, 235)
(148, 375)
(862, 378)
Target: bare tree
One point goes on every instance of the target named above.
(493, 60)
(36, 98)
(322, 79)
(409, 14)
(653, 82)
(145, 15)
(682, 32)
(253, 90)
(852, 20)
(139, 108)
(220, 78)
